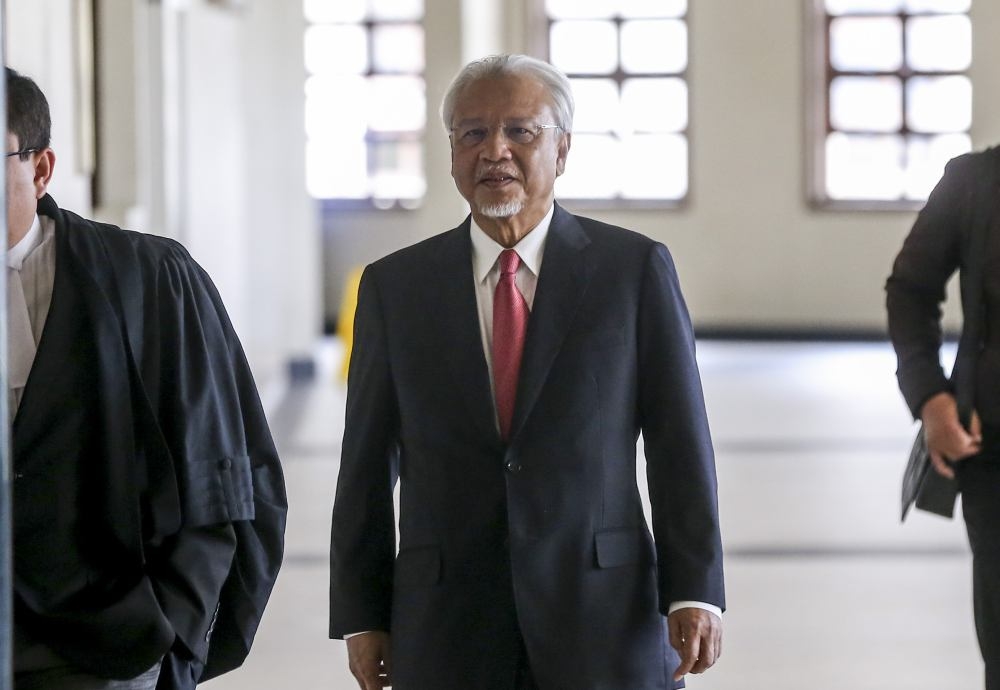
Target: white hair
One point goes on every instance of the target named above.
(494, 66)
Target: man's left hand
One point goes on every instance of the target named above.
(696, 634)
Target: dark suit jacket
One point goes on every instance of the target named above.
(149, 505)
(949, 232)
(542, 538)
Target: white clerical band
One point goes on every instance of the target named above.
(20, 341)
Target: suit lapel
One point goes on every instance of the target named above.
(460, 339)
(564, 277)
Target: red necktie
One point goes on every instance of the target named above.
(510, 322)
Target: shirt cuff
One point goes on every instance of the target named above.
(350, 635)
(677, 605)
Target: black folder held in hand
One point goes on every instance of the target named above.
(923, 486)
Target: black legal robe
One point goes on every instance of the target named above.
(149, 504)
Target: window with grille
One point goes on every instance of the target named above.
(365, 101)
(895, 101)
(627, 61)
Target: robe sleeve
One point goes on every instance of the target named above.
(228, 477)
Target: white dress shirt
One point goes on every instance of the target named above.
(33, 260)
(486, 269)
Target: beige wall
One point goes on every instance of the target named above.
(41, 40)
(202, 117)
(201, 140)
(750, 251)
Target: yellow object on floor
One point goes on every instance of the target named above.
(345, 321)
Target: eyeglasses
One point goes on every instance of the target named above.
(22, 152)
(521, 134)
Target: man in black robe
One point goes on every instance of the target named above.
(148, 500)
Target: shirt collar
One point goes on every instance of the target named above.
(19, 252)
(486, 251)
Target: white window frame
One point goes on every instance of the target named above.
(819, 76)
(372, 202)
(538, 16)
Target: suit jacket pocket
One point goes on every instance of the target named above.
(418, 567)
(622, 546)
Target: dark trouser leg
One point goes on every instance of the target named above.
(523, 679)
(980, 484)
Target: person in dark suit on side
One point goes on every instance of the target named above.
(148, 500)
(958, 228)
(502, 372)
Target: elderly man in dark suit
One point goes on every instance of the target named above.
(503, 372)
(148, 501)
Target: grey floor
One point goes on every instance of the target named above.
(826, 589)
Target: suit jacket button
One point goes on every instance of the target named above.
(513, 467)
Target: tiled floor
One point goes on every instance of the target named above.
(826, 589)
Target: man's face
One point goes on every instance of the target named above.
(27, 181)
(499, 176)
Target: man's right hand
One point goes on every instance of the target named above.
(946, 438)
(368, 659)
